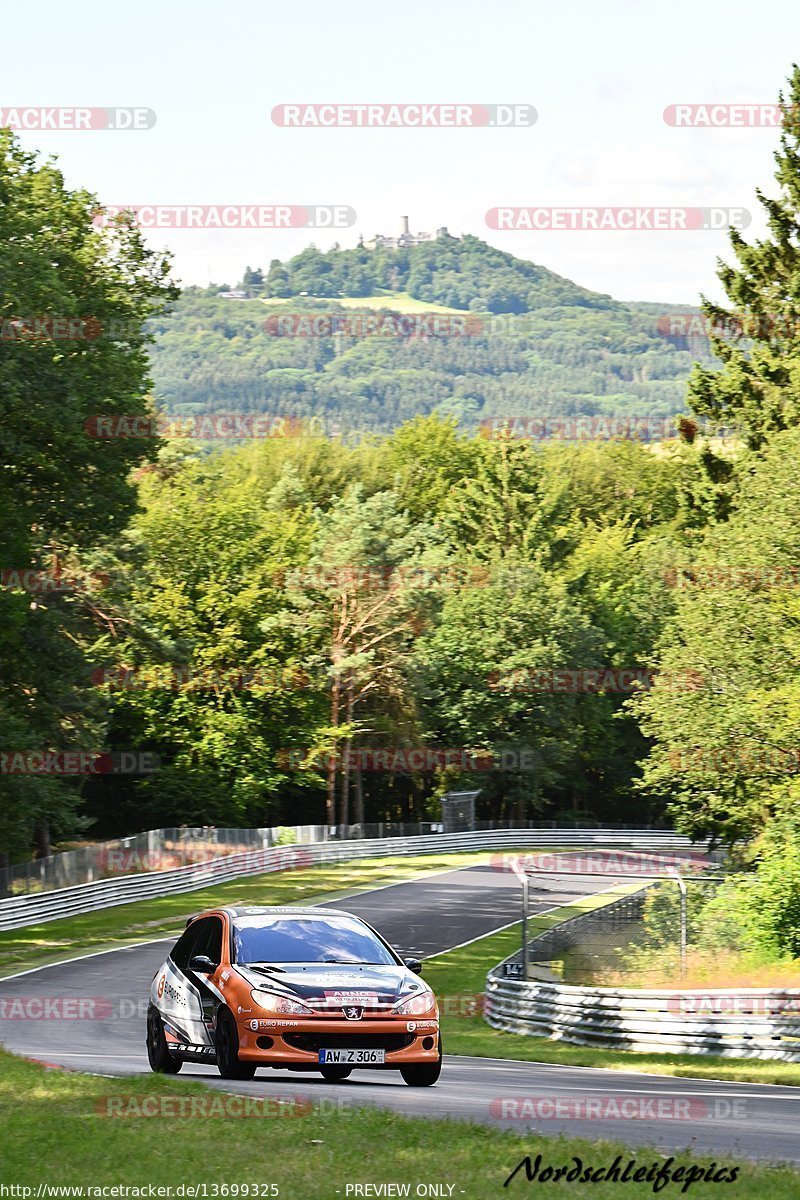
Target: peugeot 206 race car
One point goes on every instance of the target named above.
(300, 989)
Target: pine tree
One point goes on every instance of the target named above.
(757, 338)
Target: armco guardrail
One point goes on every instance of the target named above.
(19, 911)
(184, 846)
(732, 1023)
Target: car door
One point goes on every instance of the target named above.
(178, 996)
(188, 999)
(210, 984)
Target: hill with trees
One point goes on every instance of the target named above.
(529, 343)
(463, 273)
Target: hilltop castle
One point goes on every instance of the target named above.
(406, 238)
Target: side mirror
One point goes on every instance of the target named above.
(202, 964)
(414, 965)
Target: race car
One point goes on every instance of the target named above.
(299, 989)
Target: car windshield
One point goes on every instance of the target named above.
(308, 940)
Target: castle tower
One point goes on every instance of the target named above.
(406, 230)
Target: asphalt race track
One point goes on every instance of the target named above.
(421, 917)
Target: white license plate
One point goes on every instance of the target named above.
(352, 1057)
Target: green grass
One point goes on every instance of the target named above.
(459, 978)
(55, 1132)
(396, 301)
(52, 941)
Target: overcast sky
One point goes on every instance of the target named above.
(599, 74)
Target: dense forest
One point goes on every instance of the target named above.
(302, 629)
(534, 343)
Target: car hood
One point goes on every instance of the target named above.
(337, 984)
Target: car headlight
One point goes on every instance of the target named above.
(273, 1002)
(416, 1006)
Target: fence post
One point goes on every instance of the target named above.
(682, 886)
(525, 947)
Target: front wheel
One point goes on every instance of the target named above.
(227, 1043)
(158, 1055)
(423, 1074)
(335, 1074)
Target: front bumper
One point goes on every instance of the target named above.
(296, 1043)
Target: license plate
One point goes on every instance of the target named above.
(352, 1057)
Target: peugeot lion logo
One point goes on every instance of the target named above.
(352, 1013)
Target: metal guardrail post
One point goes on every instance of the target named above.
(680, 882)
(525, 913)
(522, 876)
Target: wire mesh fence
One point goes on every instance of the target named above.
(166, 849)
(648, 938)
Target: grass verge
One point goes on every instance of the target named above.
(55, 1131)
(53, 941)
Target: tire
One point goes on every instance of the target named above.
(227, 1044)
(158, 1055)
(423, 1074)
(334, 1074)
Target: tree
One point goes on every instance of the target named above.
(757, 336)
(252, 278)
(74, 300)
(278, 280)
(477, 674)
(425, 459)
(726, 720)
(203, 672)
(360, 604)
(499, 508)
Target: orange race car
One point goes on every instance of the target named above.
(300, 989)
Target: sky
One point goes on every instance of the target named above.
(599, 75)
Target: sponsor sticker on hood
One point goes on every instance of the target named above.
(337, 999)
